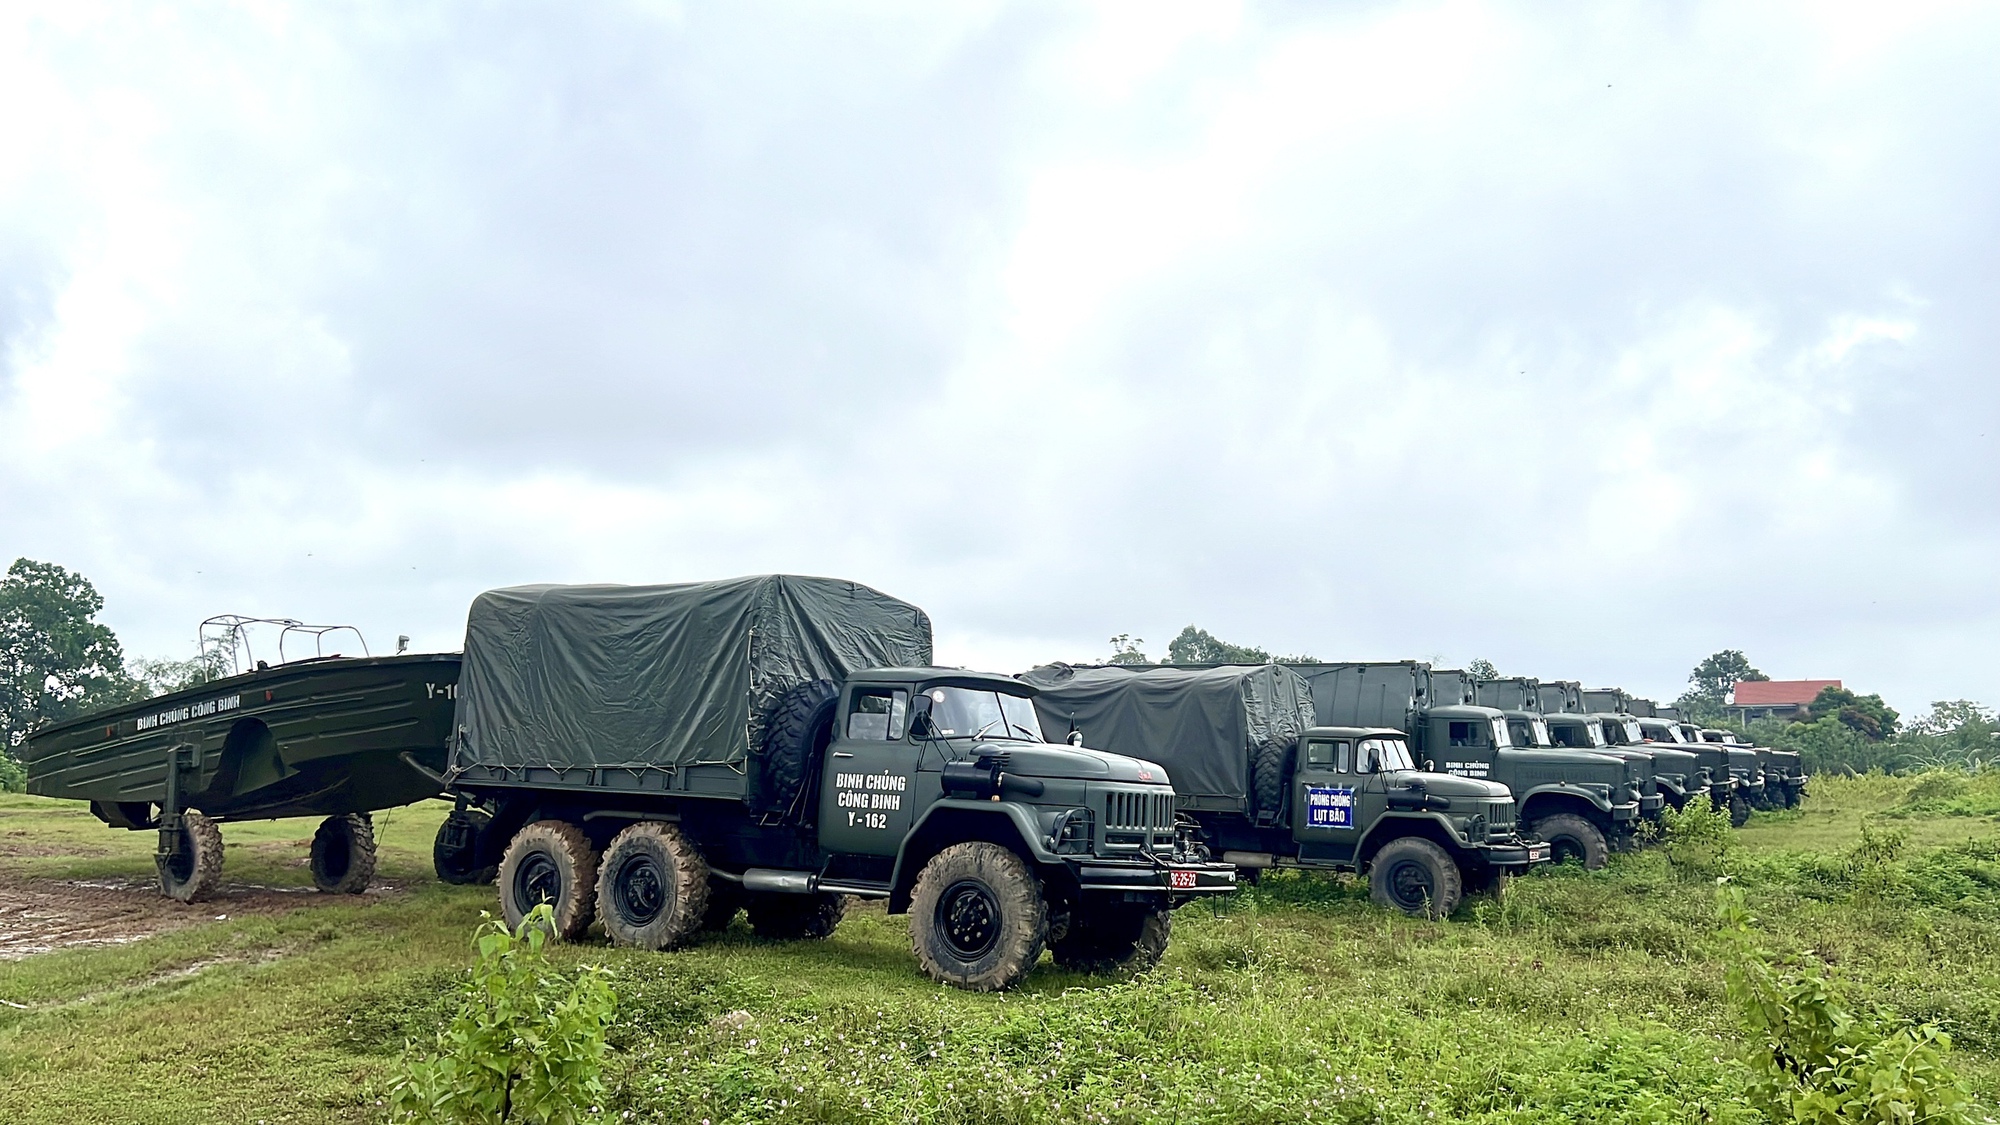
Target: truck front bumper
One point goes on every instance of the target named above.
(1626, 811)
(1517, 855)
(1180, 881)
(1651, 804)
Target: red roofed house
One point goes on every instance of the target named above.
(1777, 699)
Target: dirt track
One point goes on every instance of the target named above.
(42, 915)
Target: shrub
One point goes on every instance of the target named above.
(1819, 1063)
(527, 1043)
(1697, 840)
(13, 775)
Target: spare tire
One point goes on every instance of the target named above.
(1268, 769)
(795, 735)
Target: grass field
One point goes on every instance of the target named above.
(1577, 997)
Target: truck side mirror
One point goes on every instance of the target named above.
(1430, 765)
(1076, 738)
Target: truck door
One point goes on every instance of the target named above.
(1326, 820)
(869, 789)
(1463, 746)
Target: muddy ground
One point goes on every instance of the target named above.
(41, 915)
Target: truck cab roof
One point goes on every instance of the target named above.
(1354, 732)
(948, 677)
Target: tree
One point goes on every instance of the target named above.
(55, 660)
(1199, 646)
(1125, 650)
(1480, 668)
(1711, 682)
(1865, 715)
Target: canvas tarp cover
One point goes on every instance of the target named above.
(1203, 724)
(661, 676)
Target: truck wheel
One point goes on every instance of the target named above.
(799, 727)
(780, 917)
(343, 854)
(195, 870)
(724, 900)
(1739, 812)
(550, 861)
(1416, 877)
(977, 917)
(1571, 837)
(460, 865)
(652, 887)
(1268, 772)
(1117, 940)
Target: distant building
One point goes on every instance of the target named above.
(1776, 699)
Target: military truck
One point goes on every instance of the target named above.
(1269, 788)
(1673, 777)
(335, 737)
(1582, 804)
(1784, 770)
(1744, 775)
(658, 758)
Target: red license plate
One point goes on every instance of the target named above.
(1183, 880)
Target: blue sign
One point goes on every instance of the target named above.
(1329, 807)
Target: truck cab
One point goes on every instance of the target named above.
(1745, 775)
(1581, 803)
(1680, 775)
(1783, 770)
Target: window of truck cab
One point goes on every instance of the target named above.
(965, 712)
(1327, 753)
(877, 714)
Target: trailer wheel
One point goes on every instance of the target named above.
(1268, 773)
(1416, 877)
(652, 887)
(194, 871)
(1571, 837)
(461, 842)
(343, 854)
(782, 917)
(1739, 812)
(1121, 940)
(977, 917)
(799, 727)
(550, 861)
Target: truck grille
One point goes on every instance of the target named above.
(1129, 817)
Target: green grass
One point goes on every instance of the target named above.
(1578, 997)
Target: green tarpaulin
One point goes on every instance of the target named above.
(661, 676)
(1203, 724)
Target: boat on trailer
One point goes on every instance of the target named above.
(331, 736)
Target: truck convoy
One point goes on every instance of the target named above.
(658, 757)
(1265, 785)
(1582, 804)
(1673, 776)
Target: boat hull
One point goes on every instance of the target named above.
(312, 738)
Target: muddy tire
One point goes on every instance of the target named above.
(652, 887)
(343, 854)
(1268, 773)
(796, 734)
(781, 917)
(1571, 837)
(195, 871)
(1739, 812)
(1416, 877)
(461, 865)
(977, 918)
(724, 900)
(550, 861)
(1121, 940)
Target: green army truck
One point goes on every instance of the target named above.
(1736, 777)
(657, 758)
(1581, 804)
(1269, 788)
(1784, 771)
(1673, 777)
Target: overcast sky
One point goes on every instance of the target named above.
(1589, 345)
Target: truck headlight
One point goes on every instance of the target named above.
(1072, 832)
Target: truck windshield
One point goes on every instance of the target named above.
(1501, 739)
(1538, 733)
(980, 713)
(1634, 734)
(1383, 754)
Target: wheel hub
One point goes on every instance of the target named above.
(1411, 885)
(640, 892)
(968, 915)
(538, 880)
(181, 864)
